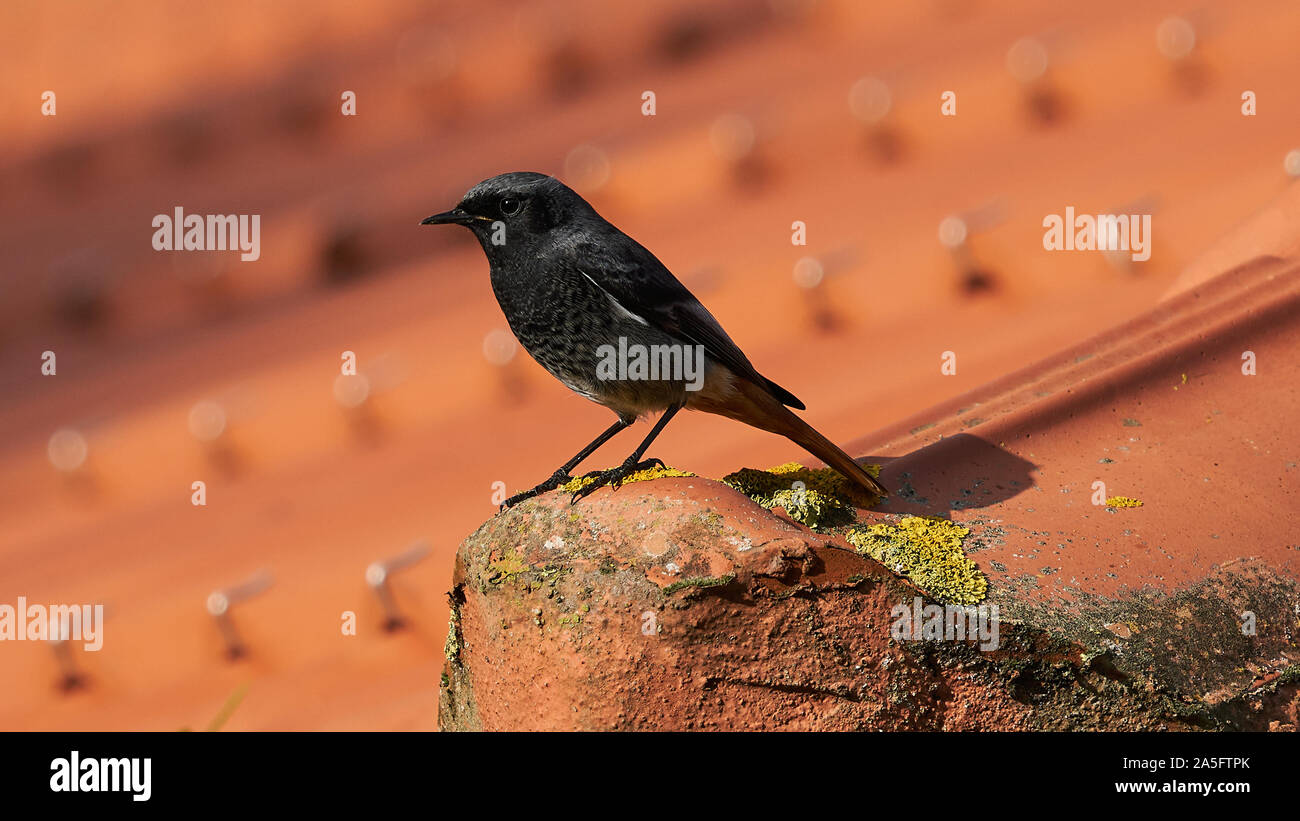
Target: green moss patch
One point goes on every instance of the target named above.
(700, 582)
(816, 497)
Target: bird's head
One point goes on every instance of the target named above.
(514, 213)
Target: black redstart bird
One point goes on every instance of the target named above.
(580, 294)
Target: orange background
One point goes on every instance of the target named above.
(236, 109)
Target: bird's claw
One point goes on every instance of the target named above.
(558, 478)
(613, 477)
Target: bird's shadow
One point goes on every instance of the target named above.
(960, 472)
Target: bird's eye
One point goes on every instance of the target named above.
(510, 206)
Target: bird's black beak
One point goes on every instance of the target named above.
(457, 216)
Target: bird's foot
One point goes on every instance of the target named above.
(613, 477)
(558, 478)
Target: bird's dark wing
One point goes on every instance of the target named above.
(643, 286)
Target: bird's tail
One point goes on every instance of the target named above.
(806, 436)
(755, 406)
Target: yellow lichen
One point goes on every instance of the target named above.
(506, 568)
(451, 647)
(814, 496)
(579, 482)
(927, 550)
(1123, 501)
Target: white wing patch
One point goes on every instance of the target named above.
(618, 306)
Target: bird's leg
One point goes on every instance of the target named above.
(631, 464)
(561, 475)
